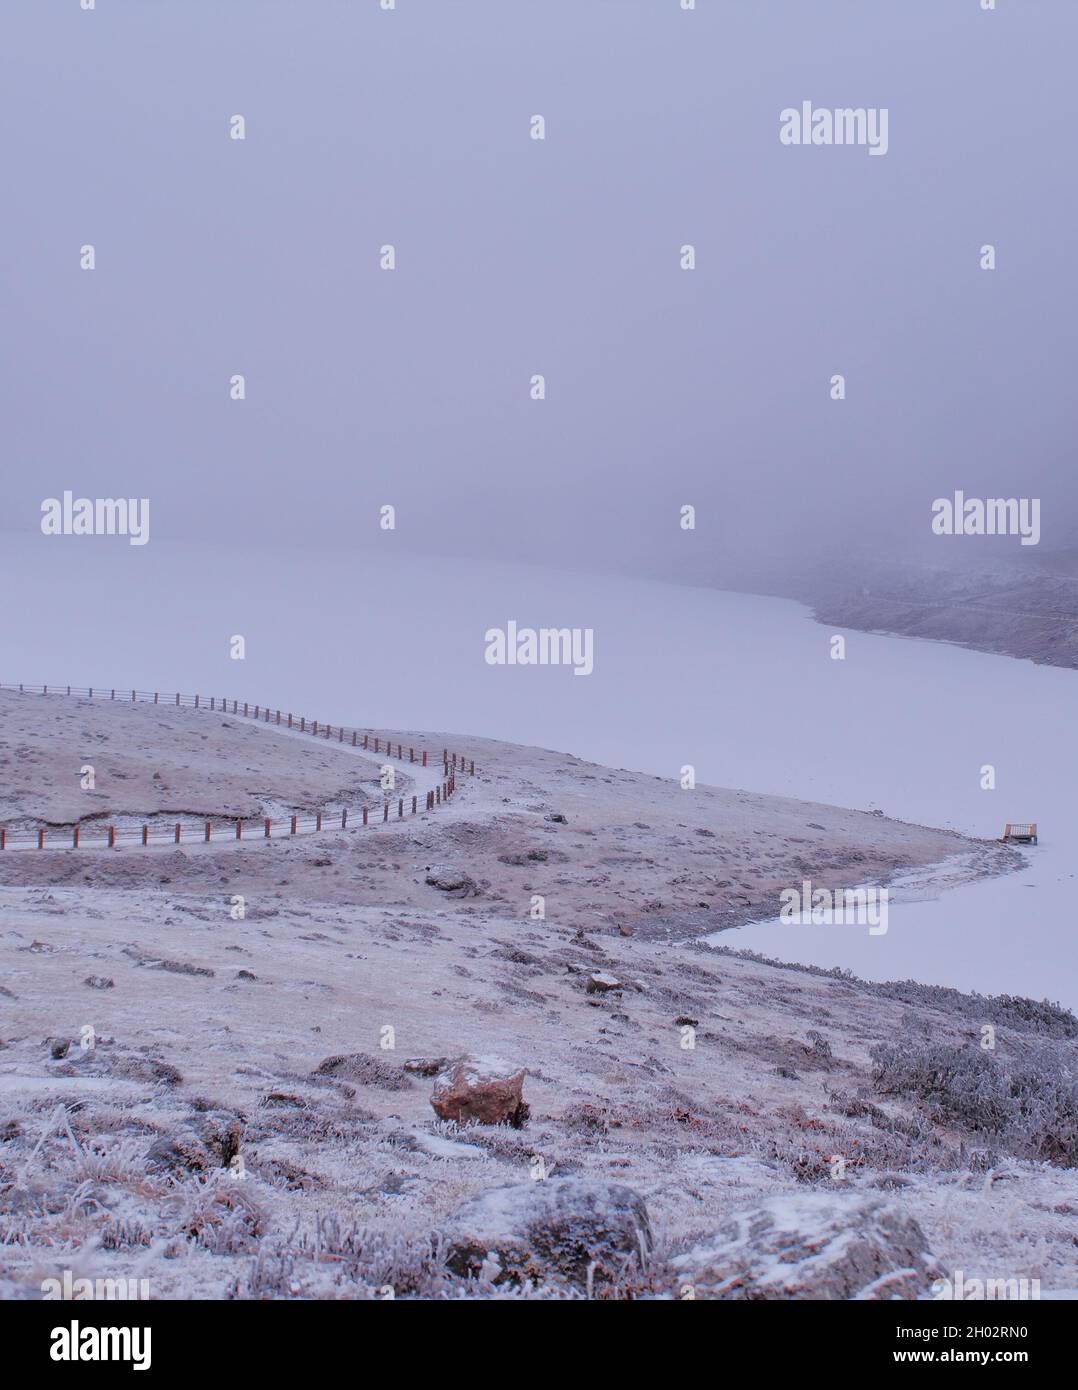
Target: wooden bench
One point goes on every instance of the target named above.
(1023, 834)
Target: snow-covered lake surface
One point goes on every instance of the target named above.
(741, 687)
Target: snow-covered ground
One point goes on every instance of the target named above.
(742, 688)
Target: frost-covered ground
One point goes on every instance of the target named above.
(237, 1125)
(742, 688)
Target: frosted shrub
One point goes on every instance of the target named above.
(1029, 1106)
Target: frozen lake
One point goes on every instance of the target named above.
(741, 687)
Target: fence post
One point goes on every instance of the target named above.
(400, 809)
(365, 815)
(472, 769)
(366, 740)
(112, 837)
(414, 801)
(268, 823)
(292, 831)
(385, 810)
(3, 839)
(209, 829)
(353, 740)
(75, 838)
(289, 721)
(154, 696)
(196, 701)
(145, 834)
(41, 839)
(424, 757)
(239, 830)
(318, 821)
(303, 724)
(177, 697)
(344, 819)
(132, 696)
(177, 832)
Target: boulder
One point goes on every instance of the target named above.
(451, 880)
(581, 1231)
(599, 982)
(484, 1089)
(813, 1245)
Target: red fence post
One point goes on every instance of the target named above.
(209, 829)
(239, 830)
(3, 839)
(268, 823)
(318, 821)
(75, 838)
(177, 832)
(112, 837)
(292, 831)
(366, 740)
(41, 839)
(424, 757)
(145, 834)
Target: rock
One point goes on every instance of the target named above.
(451, 880)
(599, 982)
(426, 1066)
(811, 1246)
(485, 1089)
(557, 818)
(99, 982)
(583, 1231)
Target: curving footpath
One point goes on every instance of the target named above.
(434, 772)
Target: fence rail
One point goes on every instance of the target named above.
(158, 832)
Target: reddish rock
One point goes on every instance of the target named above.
(485, 1089)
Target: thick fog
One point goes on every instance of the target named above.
(515, 257)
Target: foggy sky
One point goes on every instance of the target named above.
(516, 257)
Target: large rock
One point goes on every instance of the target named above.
(582, 1231)
(813, 1245)
(485, 1089)
(451, 880)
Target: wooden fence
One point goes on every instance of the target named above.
(174, 832)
